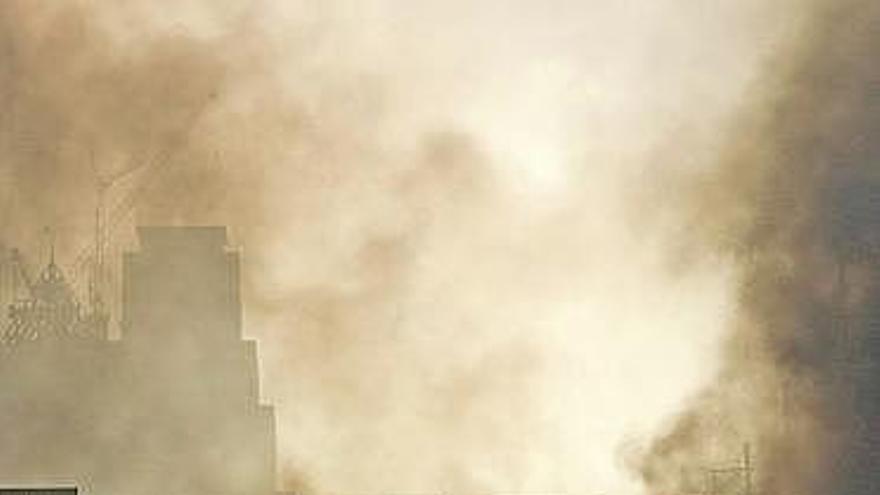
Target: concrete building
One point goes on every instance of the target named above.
(171, 407)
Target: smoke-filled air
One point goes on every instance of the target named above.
(575, 247)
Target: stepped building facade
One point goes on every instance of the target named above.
(172, 406)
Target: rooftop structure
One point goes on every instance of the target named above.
(171, 407)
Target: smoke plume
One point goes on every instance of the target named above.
(457, 218)
(793, 204)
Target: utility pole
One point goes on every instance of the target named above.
(747, 468)
(724, 479)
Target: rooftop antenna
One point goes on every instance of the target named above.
(50, 243)
(94, 291)
(51, 234)
(103, 184)
(748, 468)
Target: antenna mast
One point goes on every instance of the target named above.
(103, 184)
(94, 287)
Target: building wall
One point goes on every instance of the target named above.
(173, 407)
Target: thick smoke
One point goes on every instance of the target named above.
(82, 107)
(448, 258)
(794, 204)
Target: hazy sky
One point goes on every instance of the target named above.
(460, 261)
(532, 330)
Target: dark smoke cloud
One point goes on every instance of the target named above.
(435, 317)
(795, 193)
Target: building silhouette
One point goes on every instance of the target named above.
(170, 407)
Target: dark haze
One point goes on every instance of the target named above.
(797, 194)
(365, 260)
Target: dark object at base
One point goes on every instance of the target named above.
(39, 491)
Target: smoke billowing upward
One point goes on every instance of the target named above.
(794, 202)
(458, 275)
